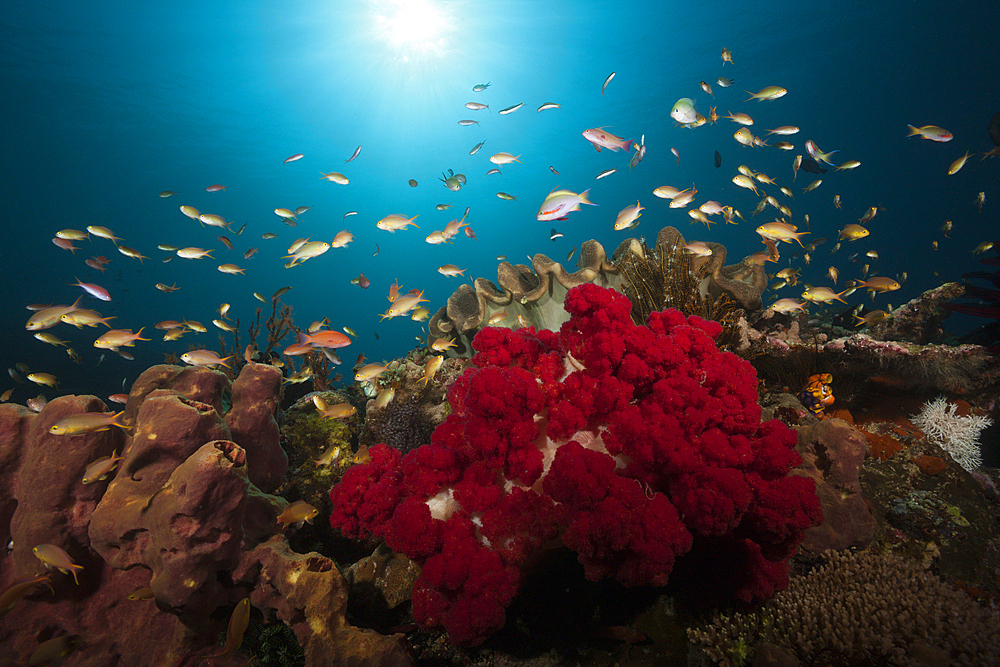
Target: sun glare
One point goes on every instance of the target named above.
(412, 27)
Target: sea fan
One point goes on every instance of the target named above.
(958, 435)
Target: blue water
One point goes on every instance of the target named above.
(106, 104)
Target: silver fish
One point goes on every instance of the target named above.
(504, 112)
(606, 82)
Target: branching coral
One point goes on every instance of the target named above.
(861, 605)
(640, 447)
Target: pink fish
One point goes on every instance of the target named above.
(471, 234)
(600, 139)
(215, 188)
(93, 290)
(560, 203)
(818, 155)
(297, 156)
(65, 244)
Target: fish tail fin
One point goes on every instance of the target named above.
(752, 96)
(583, 198)
(627, 146)
(913, 130)
(115, 422)
(139, 333)
(223, 361)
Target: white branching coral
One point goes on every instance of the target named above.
(958, 435)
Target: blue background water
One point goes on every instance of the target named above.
(106, 104)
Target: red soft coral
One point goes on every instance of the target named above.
(640, 447)
(367, 496)
(465, 587)
(617, 529)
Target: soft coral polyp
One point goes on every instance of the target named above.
(640, 447)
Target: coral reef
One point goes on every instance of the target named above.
(666, 276)
(182, 516)
(865, 606)
(654, 279)
(534, 293)
(319, 449)
(403, 424)
(896, 352)
(959, 369)
(640, 447)
(956, 434)
(919, 320)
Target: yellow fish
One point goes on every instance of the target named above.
(822, 295)
(369, 372)
(238, 623)
(86, 422)
(48, 379)
(768, 93)
(392, 223)
(877, 285)
(52, 556)
(297, 512)
(433, 364)
(787, 306)
(852, 232)
(18, 590)
(780, 231)
(99, 469)
(338, 411)
(959, 163)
